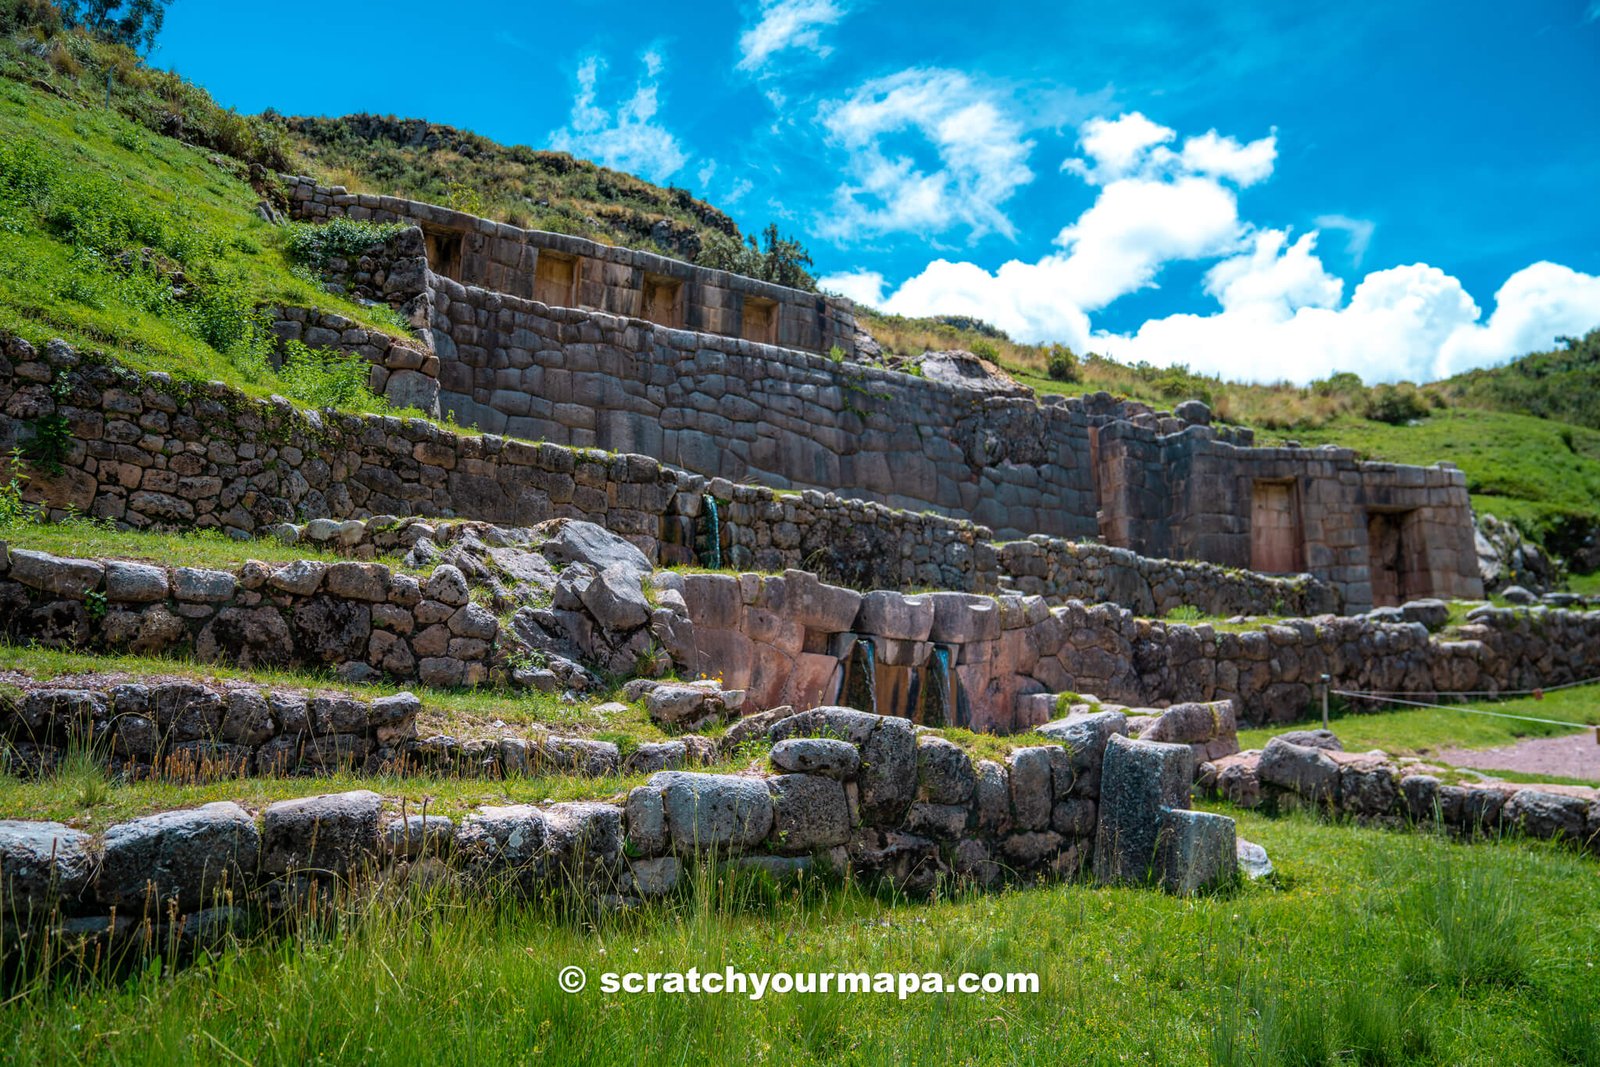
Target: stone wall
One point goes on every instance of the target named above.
(149, 450)
(1094, 573)
(564, 271)
(979, 662)
(1186, 496)
(849, 793)
(363, 619)
(403, 371)
(1374, 787)
(753, 413)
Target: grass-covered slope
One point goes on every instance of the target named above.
(140, 246)
(525, 187)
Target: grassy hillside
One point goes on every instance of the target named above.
(1563, 383)
(538, 190)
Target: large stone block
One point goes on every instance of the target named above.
(183, 856)
(42, 864)
(718, 812)
(1198, 852)
(1308, 772)
(809, 812)
(332, 834)
(1138, 780)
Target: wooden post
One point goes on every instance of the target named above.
(1325, 685)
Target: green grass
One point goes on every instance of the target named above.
(81, 187)
(1345, 956)
(1421, 731)
(190, 548)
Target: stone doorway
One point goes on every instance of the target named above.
(1276, 544)
(1390, 558)
(444, 252)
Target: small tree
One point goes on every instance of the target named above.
(134, 23)
(1061, 363)
(784, 260)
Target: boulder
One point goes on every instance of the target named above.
(574, 541)
(888, 777)
(1084, 736)
(42, 864)
(1323, 739)
(1548, 815)
(809, 812)
(189, 857)
(413, 836)
(74, 578)
(817, 755)
(944, 772)
(135, 583)
(616, 599)
(1253, 861)
(713, 811)
(1199, 852)
(1308, 772)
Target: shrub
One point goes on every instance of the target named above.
(985, 350)
(1396, 404)
(40, 15)
(326, 379)
(318, 244)
(1061, 363)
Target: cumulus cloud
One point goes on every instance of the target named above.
(626, 137)
(784, 25)
(981, 149)
(1281, 318)
(1131, 145)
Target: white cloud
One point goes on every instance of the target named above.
(1358, 234)
(1281, 319)
(1281, 314)
(1224, 157)
(627, 138)
(786, 24)
(1116, 147)
(1131, 145)
(862, 286)
(982, 153)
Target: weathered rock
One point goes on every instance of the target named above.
(332, 834)
(572, 541)
(888, 776)
(616, 599)
(1138, 780)
(808, 812)
(42, 864)
(1032, 792)
(1253, 861)
(418, 835)
(1323, 739)
(188, 857)
(1198, 852)
(135, 583)
(944, 772)
(1307, 772)
(1548, 815)
(713, 811)
(817, 755)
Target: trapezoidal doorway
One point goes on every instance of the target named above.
(1276, 544)
(1392, 558)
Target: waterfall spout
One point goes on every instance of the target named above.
(713, 534)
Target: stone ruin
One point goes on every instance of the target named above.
(552, 338)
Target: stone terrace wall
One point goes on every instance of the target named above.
(1187, 496)
(506, 259)
(753, 413)
(149, 450)
(854, 794)
(1094, 573)
(1373, 787)
(361, 618)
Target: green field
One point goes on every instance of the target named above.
(1368, 947)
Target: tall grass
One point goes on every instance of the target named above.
(1465, 923)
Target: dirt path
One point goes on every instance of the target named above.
(1574, 755)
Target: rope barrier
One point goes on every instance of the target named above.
(1458, 707)
(1495, 692)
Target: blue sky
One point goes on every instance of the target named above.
(1267, 190)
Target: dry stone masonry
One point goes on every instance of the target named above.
(847, 794)
(545, 337)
